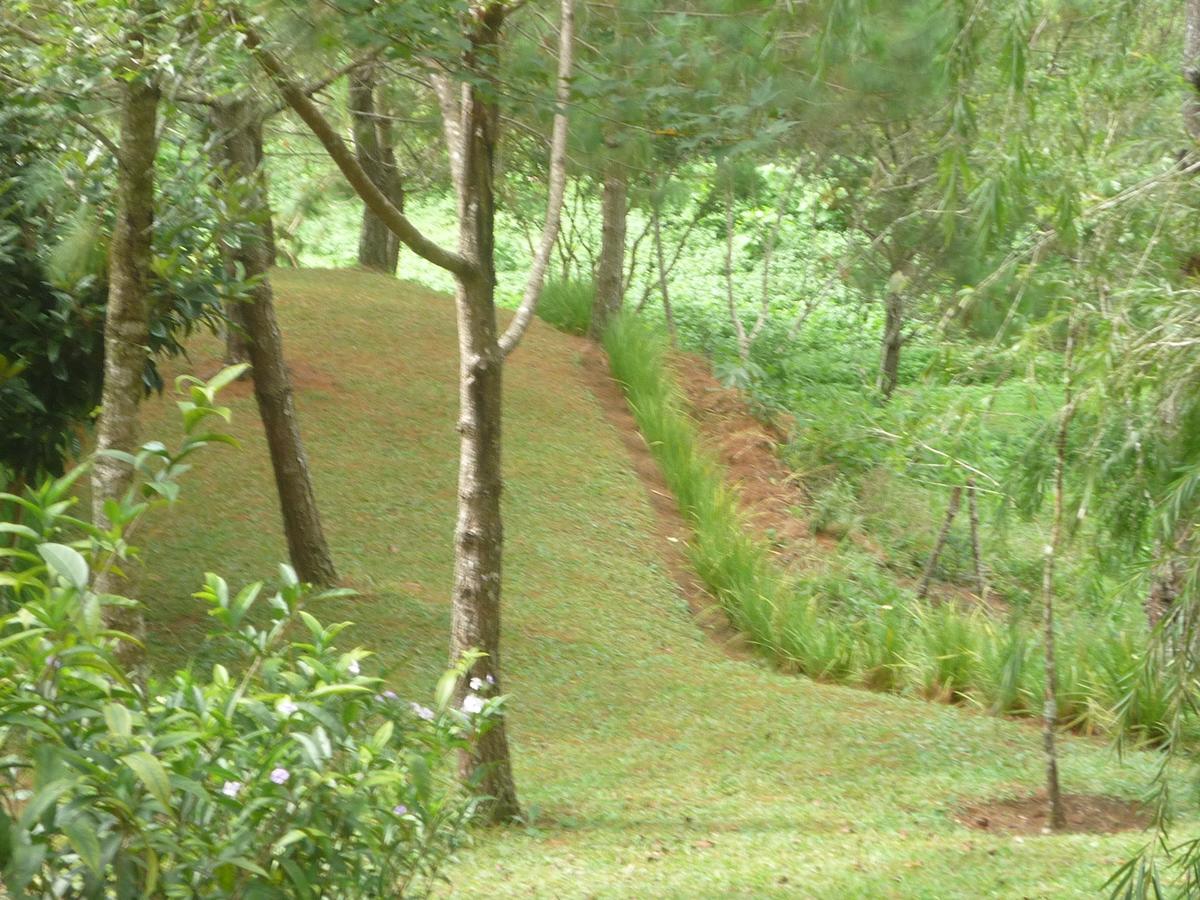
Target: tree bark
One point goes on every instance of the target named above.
(610, 268)
(1056, 813)
(943, 536)
(239, 124)
(126, 319)
(378, 245)
(893, 338)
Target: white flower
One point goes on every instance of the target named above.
(353, 668)
(490, 679)
(423, 712)
(472, 704)
(286, 706)
(476, 684)
(280, 775)
(231, 788)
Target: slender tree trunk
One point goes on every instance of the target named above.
(239, 124)
(893, 339)
(976, 543)
(1055, 811)
(663, 274)
(610, 268)
(378, 246)
(743, 339)
(943, 536)
(479, 532)
(126, 319)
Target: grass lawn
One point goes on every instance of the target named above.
(652, 764)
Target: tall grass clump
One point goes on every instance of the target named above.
(852, 625)
(567, 304)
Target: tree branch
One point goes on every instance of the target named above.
(557, 188)
(295, 96)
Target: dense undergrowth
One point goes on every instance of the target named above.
(878, 635)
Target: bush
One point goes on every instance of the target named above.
(567, 305)
(289, 774)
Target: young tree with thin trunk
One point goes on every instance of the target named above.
(471, 121)
(1054, 805)
(610, 267)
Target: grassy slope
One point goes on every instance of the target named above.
(656, 766)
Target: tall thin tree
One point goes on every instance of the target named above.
(471, 116)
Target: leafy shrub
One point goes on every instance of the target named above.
(289, 774)
(567, 305)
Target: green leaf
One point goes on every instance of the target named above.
(118, 719)
(82, 836)
(151, 773)
(66, 562)
(22, 530)
(226, 376)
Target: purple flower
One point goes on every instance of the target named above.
(391, 695)
(423, 712)
(472, 704)
(280, 775)
(286, 707)
(490, 679)
(400, 809)
(231, 788)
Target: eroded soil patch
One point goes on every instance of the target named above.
(1086, 814)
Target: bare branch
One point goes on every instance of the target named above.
(345, 159)
(557, 188)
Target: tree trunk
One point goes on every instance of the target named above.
(893, 339)
(943, 536)
(240, 126)
(126, 318)
(479, 532)
(976, 543)
(663, 274)
(1057, 816)
(610, 268)
(743, 339)
(378, 246)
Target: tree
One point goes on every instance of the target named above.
(378, 246)
(126, 321)
(471, 121)
(238, 123)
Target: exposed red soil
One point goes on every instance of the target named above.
(670, 529)
(748, 448)
(1086, 814)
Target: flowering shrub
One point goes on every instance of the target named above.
(289, 774)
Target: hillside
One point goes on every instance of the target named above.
(653, 762)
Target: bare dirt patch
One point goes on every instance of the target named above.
(671, 530)
(1086, 814)
(768, 491)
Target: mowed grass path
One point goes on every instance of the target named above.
(654, 765)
